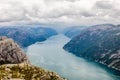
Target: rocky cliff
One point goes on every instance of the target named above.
(14, 64)
(10, 52)
(100, 43)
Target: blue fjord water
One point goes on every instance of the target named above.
(50, 55)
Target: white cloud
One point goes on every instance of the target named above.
(67, 12)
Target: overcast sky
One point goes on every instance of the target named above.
(65, 12)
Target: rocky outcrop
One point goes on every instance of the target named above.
(14, 64)
(10, 52)
(27, 35)
(100, 43)
(26, 72)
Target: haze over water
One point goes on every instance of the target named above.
(50, 55)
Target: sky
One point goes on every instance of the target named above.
(59, 12)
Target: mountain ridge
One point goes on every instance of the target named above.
(26, 36)
(99, 44)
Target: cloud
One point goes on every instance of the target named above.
(62, 0)
(67, 12)
(106, 4)
(108, 9)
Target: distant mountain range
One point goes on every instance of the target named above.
(73, 31)
(26, 36)
(100, 43)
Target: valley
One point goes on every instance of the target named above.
(50, 55)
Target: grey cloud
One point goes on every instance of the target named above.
(10, 13)
(88, 14)
(62, 0)
(104, 4)
(115, 13)
(107, 9)
(72, 0)
(62, 12)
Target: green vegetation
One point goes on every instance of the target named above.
(26, 72)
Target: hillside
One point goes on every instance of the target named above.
(73, 31)
(26, 72)
(26, 36)
(100, 43)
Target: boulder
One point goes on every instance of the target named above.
(10, 52)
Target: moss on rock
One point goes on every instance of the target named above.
(26, 71)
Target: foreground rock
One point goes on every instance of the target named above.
(26, 72)
(100, 43)
(10, 52)
(14, 64)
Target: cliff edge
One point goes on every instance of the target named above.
(14, 64)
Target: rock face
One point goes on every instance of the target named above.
(26, 72)
(27, 35)
(10, 52)
(100, 43)
(14, 64)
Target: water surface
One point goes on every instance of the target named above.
(50, 55)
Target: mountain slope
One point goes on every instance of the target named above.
(73, 31)
(99, 43)
(26, 36)
(26, 72)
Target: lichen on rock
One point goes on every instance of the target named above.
(26, 71)
(10, 52)
(14, 64)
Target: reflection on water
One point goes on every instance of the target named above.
(50, 55)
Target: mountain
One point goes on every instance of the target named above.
(73, 31)
(14, 64)
(100, 43)
(26, 36)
